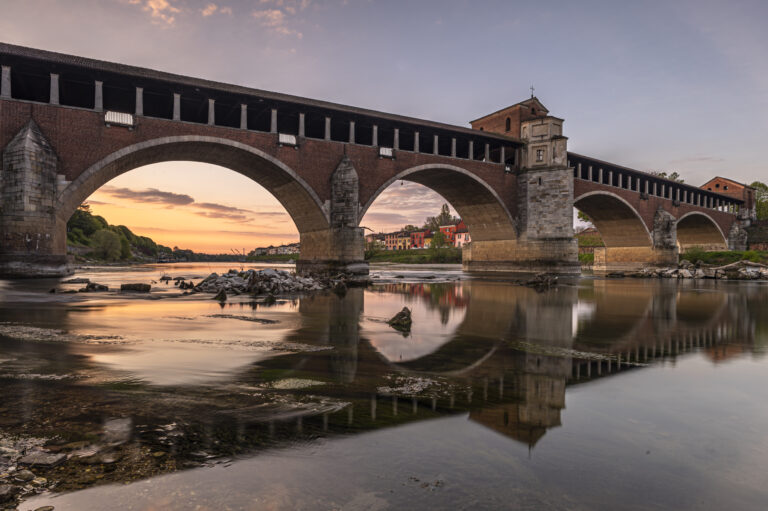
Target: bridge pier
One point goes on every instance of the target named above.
(32, 238)
(545, 241)
(341, 247)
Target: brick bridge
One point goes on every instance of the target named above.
(68, 125)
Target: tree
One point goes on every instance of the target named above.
(106, 244)
(438, 240)
(433, 223)
(583, 216)
(761, 199)
(672, 176)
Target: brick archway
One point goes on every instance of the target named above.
(475, 201)
(298, 198)
(699, 229)
(619, 224)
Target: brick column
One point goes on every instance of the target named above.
(396, 144)
(273, 121)
(243, 116)
(98, 96)
(176, 106)
(211, 112)
(5, 82)
(139, 101)
(54, 94)
(301, 125)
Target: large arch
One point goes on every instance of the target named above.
(697, 229)
(297, 197)
(480, 207)
(618, 223)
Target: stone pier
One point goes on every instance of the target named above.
(28, 223)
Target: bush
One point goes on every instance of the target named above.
(587, 258)
(106, 245)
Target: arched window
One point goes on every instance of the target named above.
(508, 124)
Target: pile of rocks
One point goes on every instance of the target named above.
(740, 270)
(268, 281)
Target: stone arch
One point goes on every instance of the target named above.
(481, 208)
(696, 228)
(619, 224)
(302, 203)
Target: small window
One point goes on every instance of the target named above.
(533, 111)
(717, 185)
(539, 154)
(539, 181)
(725, 187)
(710, 188)
(482, 129)
(508, 124)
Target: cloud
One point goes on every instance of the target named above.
(209, 9)
(150, 196)
(162, 11)
(226, 10)
(276, 19)
(205, 209)
(697, 159)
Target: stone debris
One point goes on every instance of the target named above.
(139, 288)
(266, 282)
(92, 287)
(542, 282)
(42, 459)
(78, 280)
(401, 321)
(740, 270)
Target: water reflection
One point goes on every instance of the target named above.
(504, 356)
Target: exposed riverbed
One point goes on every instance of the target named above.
(594, 394)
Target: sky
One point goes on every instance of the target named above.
(653, 85)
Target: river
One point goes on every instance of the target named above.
(596, 394)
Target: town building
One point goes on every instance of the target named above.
(376, 240)
(461, 237)
(417, 238)
(737, 190)
(403, 240)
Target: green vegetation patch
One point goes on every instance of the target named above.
(724, 257)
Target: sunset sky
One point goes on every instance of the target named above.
(654, 85)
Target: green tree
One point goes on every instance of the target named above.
(761, 199)
(433, 223)
(438, 240)
(125, 248)
(672, 176)
(106, 245)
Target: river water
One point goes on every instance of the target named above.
(596, 394)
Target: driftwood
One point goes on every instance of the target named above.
(739, 264)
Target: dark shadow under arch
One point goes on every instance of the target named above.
(698, 229)
(616, 220)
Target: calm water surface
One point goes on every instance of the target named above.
(598, 394)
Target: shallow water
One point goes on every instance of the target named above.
(597, 394)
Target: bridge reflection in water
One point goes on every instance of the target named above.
(505, 357)
(513, 354)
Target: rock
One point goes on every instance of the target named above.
(221, 296)
(24, 475)
(699, 274)
(165, 278)
(684, 274)
(42, 459)
(7, 492)
(139, 288)
(78, 280)
(94, 287)
(615, 275)
(401, 321)
(117, 431)
(45, 508)
(269, 299)
(543, 281)
(685, 263)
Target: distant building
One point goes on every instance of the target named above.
(462, 237)
(403, 240)
(740, 191)
(417, 238)
(376, 240)
(428, 240)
